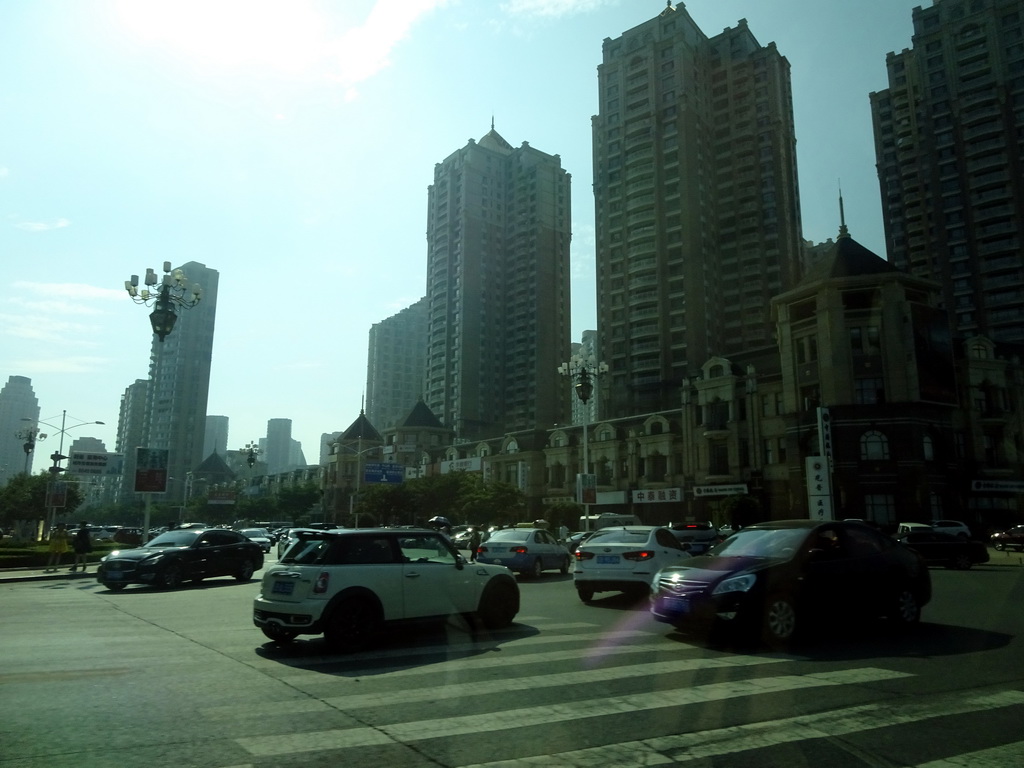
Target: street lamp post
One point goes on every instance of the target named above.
(163, 295)
(31, 436)
(582, 371)
(57, 457)
(358, 453)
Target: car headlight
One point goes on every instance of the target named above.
(735, 584)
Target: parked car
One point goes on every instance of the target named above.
(940, 548)
(1011, 539)
(260, 535)
(768, 580)
(182, 555)
(696, 538)
(350, 584)
(624, 559)
(574, 540)
(904, 528)
(952, 527)
(525, 550)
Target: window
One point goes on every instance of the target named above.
(874, 446)
(869, 391)
(880, 508)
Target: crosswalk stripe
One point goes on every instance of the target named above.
(283, 744)
(553, 680)
(996, 757)
(682, 748)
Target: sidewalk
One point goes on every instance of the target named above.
(40, 574)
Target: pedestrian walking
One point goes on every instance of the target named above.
(58, 546)
(474, 543)
(82, 544)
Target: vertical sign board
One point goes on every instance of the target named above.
(57, 493)
(586, 489)
(819, 488)
(151, 470)
(825, 436)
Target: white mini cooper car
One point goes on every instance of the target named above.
(348, 584)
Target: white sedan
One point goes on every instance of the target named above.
(624, 559)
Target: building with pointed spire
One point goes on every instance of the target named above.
(498, 304)
(697, 208)
(342, 478)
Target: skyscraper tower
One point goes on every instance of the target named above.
(179, 384)
(278, 446)
(394, 369)
(948, 138)
(498, 231)
(696, 200)
(19, 412)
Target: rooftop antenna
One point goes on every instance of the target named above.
(843, 231)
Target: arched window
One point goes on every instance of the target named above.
(512, 446)
(928, 446)
(874, 446)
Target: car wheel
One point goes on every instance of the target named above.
(906, 611)
(497, 606)
(564, 569)
(352, 624)
(537, 569)
(171, 576)
(999, 546)
(779, 621)
(961, 563)
(246, 571)
(279, 634)
(586, 594)
(114, 586)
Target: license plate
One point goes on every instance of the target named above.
(283, 587)
(607, 559)
(113, 576)
(679, 604)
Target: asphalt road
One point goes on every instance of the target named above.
(182, 678)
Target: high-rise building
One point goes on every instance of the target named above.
(696, 200)
(216, 439)
(498, 231)
(394, 368)
(131, 425)
(19, 416)
(179, 384)
(949, 140)
(278, 446)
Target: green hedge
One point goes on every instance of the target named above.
(37, 555)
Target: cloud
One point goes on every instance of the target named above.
(68, 290)
(62, 364)
(42, 226)
(552, 9)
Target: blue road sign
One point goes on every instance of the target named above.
(383, 473)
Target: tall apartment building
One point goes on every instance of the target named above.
(949, 138)
(131, 425)
(179, 384)
(498, 231)
(696, 200)
(395, 364)
(216, 437)
(19, 415)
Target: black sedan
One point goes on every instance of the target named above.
(769, 580)
(191, 554)
(938, 548)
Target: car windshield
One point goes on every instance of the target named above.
(770, 543)
(174, 539)
(619, 536)
(510, 534)
(253, 532)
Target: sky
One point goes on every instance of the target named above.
(289, 145)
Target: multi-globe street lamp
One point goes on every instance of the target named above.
(31, 436)
(163, 295)
(583, 371)
(58, 456)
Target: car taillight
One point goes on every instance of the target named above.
(321, 583)
(481, 548)
(518, 550)
(580, 555)
(643, 554)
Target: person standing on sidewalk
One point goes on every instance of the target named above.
(58, 546)
(82, 544)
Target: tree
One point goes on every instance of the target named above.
(24, 498)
